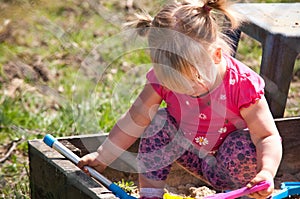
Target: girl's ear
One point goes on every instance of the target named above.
(217, 55)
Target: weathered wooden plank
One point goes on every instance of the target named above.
(52, 176)
(272, 18)
(289, 129)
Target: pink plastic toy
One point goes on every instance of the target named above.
(240, 192)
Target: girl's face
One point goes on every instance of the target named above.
(200, 86)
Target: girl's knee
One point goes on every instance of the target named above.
(242, 135)
(162, 121)
(238, 142)
(237, 156)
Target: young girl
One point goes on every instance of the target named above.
(217, 123)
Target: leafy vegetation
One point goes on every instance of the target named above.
(67, 68)
(128, 186)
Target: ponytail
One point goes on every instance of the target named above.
(225, 7)
(142, 23)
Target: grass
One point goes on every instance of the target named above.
(73, 45)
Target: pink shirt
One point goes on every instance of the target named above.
(207, 120)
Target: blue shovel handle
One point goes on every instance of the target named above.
(115, 189)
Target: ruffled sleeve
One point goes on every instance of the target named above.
(251, 87)
(155, 83)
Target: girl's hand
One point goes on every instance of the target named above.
(92, 160)
(262, 176)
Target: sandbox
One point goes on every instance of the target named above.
(53, 176)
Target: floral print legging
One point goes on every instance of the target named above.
(232, 166)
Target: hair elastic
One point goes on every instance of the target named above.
(206, 8)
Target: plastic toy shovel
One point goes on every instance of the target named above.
(241, 192)
(53, 143)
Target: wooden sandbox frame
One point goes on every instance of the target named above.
(53, 176)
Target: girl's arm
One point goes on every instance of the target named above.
(126, 131)
(266, 138)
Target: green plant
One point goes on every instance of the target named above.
(127, 186)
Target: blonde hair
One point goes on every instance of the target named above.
(181, 36)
